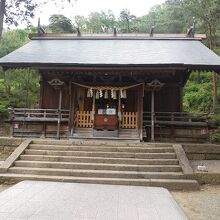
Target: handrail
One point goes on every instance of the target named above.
(39, 113)
(175, 116)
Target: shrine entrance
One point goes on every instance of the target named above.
(105, 111)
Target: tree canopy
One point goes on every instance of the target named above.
(60, 24)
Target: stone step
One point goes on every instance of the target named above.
(103, 148)
(102, 154)
(96, 173)
(97, 143)
(171, 184)
(100, 160)
(98, 166)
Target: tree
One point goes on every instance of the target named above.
(18, 10)
(126, 18)
(208, 11)
(94, 22)
(14, 11)
(80, 22)
(60, 24)
(18, 88)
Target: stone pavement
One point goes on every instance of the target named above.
(53, 200)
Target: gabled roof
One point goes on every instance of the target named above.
(136, 50)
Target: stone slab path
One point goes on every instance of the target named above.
(52, 200)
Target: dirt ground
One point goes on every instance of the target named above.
(198, 205)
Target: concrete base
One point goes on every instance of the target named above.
(51, 200)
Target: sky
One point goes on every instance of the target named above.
(85, 7)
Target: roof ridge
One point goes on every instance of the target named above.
(131, 36)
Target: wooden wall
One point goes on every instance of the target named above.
(49, 97)
(168, 99)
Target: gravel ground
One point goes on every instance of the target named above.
(200, 205)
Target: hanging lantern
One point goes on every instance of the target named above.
(97, 95)
(106, 94)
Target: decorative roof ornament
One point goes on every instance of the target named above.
(192, 30)
(152, 31)
(40, 29)
(154, 85)
(56, 83)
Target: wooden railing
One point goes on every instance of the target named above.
(176, 118)
(129, 120)
(177, 126)
(84, 119)
(39, 114)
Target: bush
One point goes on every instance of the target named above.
(216, 119)
(215, 137)
(198, 93)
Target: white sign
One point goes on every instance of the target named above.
(111, 111)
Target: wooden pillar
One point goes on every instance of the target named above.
(59, 113)
(93, 105)
(119, 105)
(140, 92)
(70, 122)
(73, 113)
(141, 110)
(152, 115)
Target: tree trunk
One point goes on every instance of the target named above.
(2, 13)
(210, 36)
(215, 91)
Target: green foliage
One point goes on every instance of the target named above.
(125, 19)
(198, 93)
(18, 88)
(215, 137)
(60, 24)
(216, 119)
(12, 40)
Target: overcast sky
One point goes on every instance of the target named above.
(85, 7)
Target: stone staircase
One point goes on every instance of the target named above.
(99, 162)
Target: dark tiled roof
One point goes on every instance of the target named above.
(106, 51)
